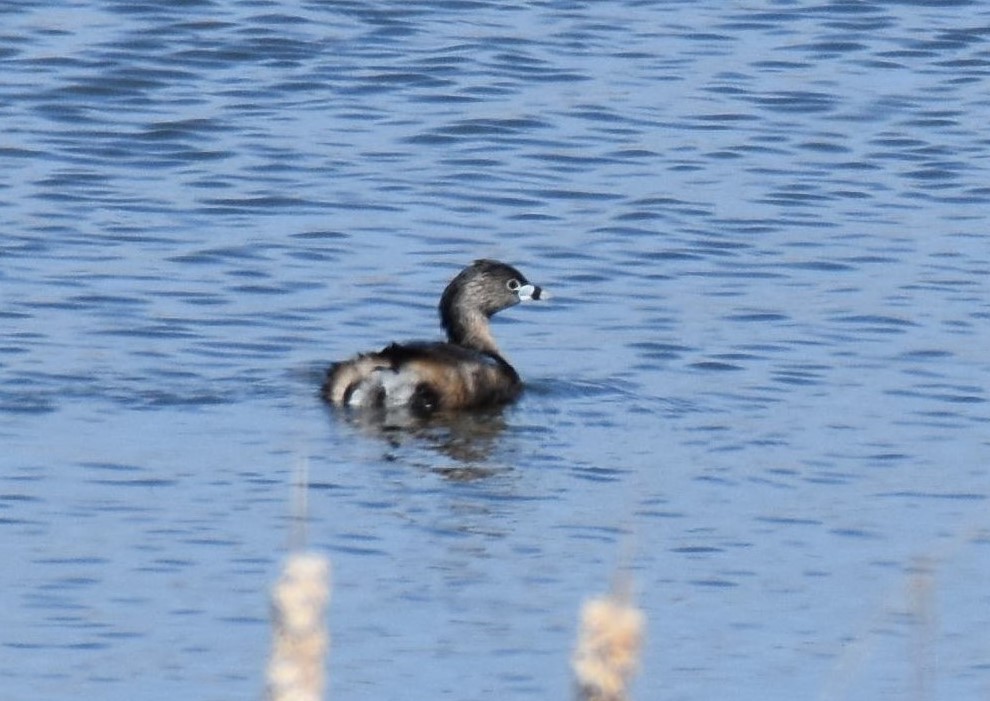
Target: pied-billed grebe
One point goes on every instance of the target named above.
(466, 372)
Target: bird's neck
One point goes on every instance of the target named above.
(469, 329)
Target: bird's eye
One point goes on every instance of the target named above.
(513, 285)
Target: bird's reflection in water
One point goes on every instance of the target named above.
(468, 438)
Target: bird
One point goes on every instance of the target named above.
(466, 372)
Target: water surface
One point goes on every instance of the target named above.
(761, 384)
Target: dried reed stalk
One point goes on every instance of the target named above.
(300, 638)
(608, 647)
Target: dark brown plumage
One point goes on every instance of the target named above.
(466, 372)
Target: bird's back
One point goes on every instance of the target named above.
(423, 377)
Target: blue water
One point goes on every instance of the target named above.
(761, 385)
